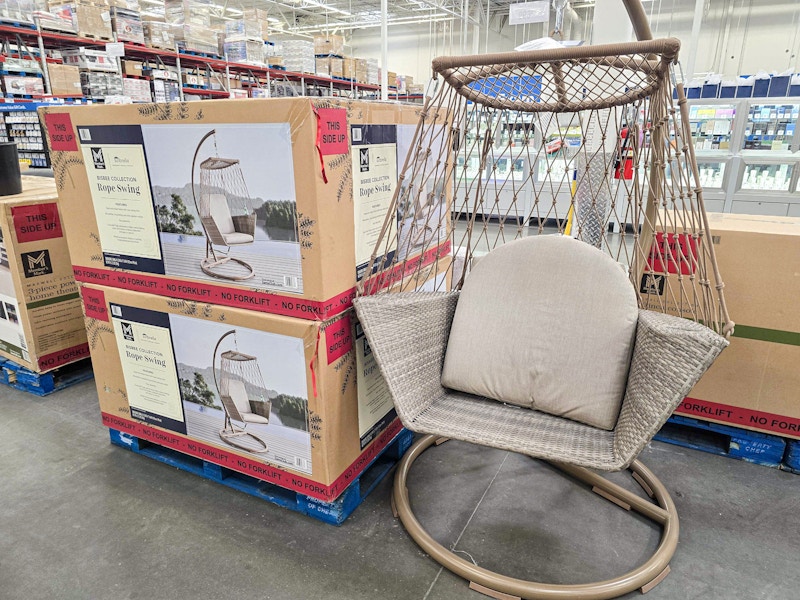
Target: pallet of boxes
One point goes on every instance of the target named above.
(218, 253)
(42, 337)
(190, 22)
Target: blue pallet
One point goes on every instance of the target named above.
(277, 67)
(791, 460)
(200, 54)
(42, 384)
(16, 73)
(194, 86)
(334, 512)
(328, 56)
(741, 444)
(20, 24)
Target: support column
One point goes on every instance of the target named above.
(611, 23)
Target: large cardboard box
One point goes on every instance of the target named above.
(167, 371)
(65, 80)
(755, 382)
(329, 44)
(318, 175)
(41, 323)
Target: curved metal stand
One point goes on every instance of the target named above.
(226, 436)
(500, 586)
(208, 264)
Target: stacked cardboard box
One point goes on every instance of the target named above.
(21, 10)
(98, 84)
(158, 34)
(754, 382)
(361, 69)
(89, 59)
(57, 20)
(65, 80)
(137, 90)
(165, 90)
(196, 38)
(18, 85)
(272, 323)
(188, 12)
(91, 19)
(41, 321)
(127, 25)
(329, 44)
(245, 51)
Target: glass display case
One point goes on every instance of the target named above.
(712, 174)
(712, 126)
(775, 177)
(771, 127)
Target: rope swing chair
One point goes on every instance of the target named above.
(225, 211)
(243, 394)
(596, 304)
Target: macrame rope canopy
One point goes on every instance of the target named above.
(592, 142)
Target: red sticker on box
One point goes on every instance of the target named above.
(61, 133)
(94, 304)
(332, 131)
(338, 339)
(36, 222)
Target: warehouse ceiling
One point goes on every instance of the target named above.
(343, 16)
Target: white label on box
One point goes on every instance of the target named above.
(12, 337)
(115, 49)
(144, 342)
(120, 188)
(375, 406)
(374, 156)
(106, 17)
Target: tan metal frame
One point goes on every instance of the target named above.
(644, 577)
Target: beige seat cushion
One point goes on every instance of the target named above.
(236, 239)
(238, 393)
(221, 213)
(547, 323)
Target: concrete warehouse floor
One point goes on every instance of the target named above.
(82, 519)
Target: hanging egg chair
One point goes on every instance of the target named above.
(226, 213)
(243, 394)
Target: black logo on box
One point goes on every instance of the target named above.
(37, 263)
(364, 159)
(127, 332)
(97, 158)
(653, 285)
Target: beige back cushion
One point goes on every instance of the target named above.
(221, 213)
(548, 323)
(238, 393)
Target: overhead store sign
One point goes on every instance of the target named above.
(529, 12)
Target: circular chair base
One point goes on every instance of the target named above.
(227, 437)
(494, 584)
(208, 265)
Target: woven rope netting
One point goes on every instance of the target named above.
(587, 142)
(236, 366)
(223, 176)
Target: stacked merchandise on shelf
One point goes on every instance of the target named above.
(191, 25)
(158, 34)
(164, 85)
(360, 70)
(98, 72)
(65, 80)
(298, 56)
(273, 55)
(329, 55)
(19, 123)
(41, 320)
(135, 85)
(20, 11)
(89, 19)
(21, 77)
(126, 21)
(373, 71)
(245, 355)
(245, 37)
